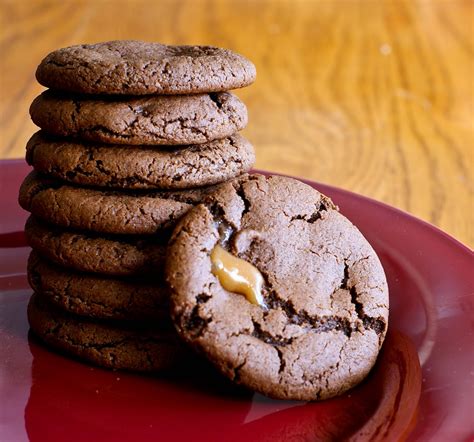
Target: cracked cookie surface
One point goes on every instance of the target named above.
(140, 167)
(105, 211)
(324, 288)
(116, 346)
(86, 252)
(136, 67)
(151, 120)
(97, 296)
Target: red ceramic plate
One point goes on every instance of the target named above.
(46, 396)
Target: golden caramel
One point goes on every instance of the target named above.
(237, 275)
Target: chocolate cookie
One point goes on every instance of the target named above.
(320, 313)
(126, 348)
(136, 67)
(98, 296)
(119, 256)
(103, 210)
(140, 167)
(155, 120)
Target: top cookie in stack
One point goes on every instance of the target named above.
(130, 67)
(133, 135)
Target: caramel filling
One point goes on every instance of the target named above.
(237, 275)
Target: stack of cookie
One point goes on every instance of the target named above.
(132, 136)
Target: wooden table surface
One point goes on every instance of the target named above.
(372, 96)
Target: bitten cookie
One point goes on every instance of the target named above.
(167, 120)
(322, 316)
(140, 167)
(136, 67)
(105, 211)
(118, 256)
(110, 346)
(98, 296)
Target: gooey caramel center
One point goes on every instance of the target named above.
(237, 275)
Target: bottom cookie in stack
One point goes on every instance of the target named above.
(117, 345)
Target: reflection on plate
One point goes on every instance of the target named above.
(51, 397)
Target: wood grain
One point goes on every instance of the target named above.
(372, 96)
